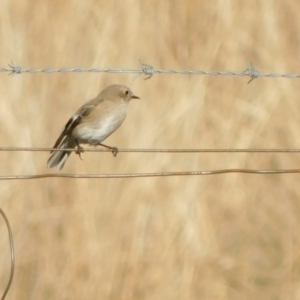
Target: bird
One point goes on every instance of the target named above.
(92, 123)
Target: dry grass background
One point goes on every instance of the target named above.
(231, 236)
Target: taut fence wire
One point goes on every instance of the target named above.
(139, 150)
(142, 175)
(150, 71)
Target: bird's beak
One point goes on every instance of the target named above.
(135, 97)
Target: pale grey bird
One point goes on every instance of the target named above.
(93, 123)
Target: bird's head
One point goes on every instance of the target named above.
(118, 91)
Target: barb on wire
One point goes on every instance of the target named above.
(133, 150)
(12, 254)
(149, 71)
(252, 72)
(14, 69)
(141, 175)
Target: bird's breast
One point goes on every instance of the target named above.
(99, 125)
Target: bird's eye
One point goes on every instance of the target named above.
(126, 93)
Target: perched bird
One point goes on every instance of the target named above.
(93, 123)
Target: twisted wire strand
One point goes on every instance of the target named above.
(150, 71)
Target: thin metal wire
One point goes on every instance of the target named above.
(140, 175)
(135, 150)
(12, 254)
(149, 71)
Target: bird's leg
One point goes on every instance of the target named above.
(114, 150)
(79, 150)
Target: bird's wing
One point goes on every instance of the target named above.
(83, 111)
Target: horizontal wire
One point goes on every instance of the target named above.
(141, 175)
(135, 150)
(149, 71)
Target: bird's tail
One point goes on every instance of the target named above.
(58, 158)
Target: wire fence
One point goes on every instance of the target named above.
(149, 71)
(152, 174)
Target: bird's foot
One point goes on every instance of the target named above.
(79, 150)
(114, 151)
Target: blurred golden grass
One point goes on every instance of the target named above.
(221, 237)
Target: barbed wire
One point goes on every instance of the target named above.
(12, 254)
(139, 150)
(149, 71)
(141, 175)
